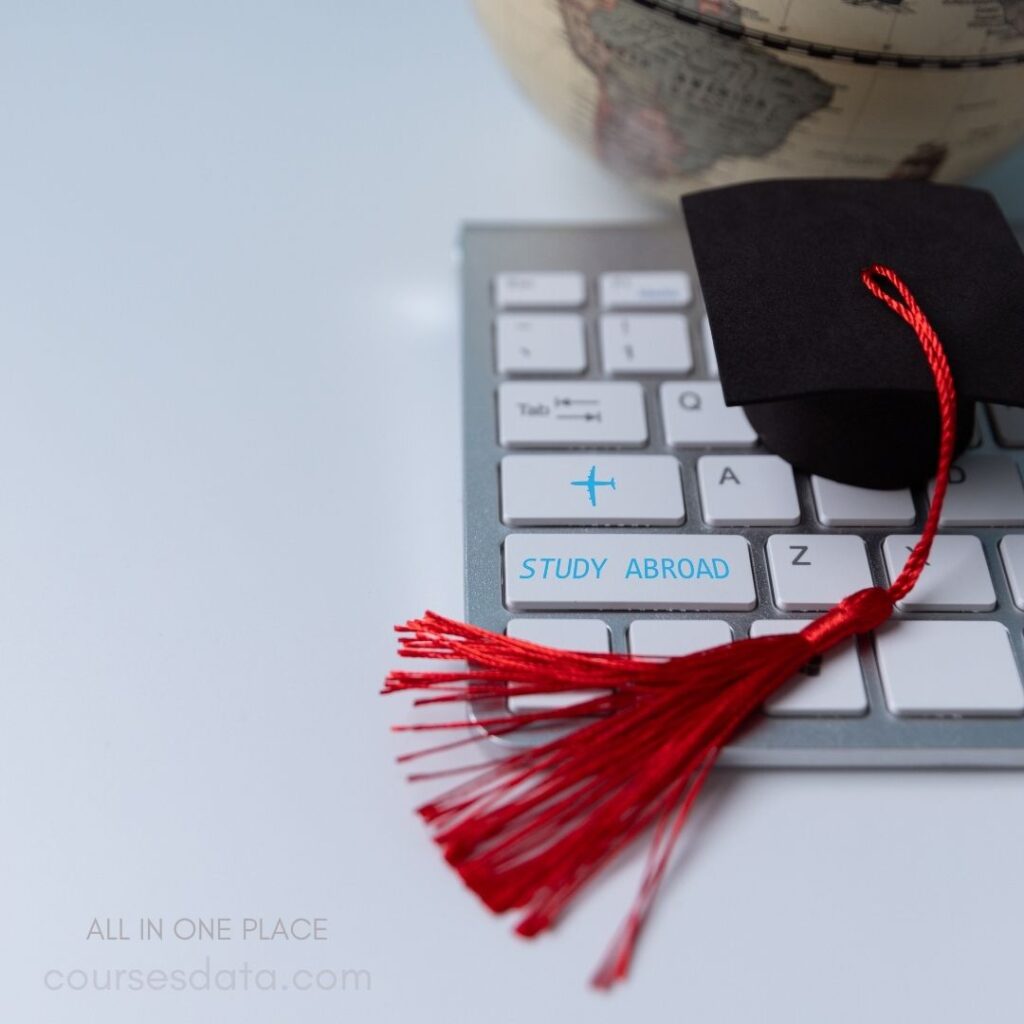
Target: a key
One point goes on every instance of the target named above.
(984, 490)
(529, 343)
(829, 684)
(747, 490)
(615, 490)
(956, 578)
(710, 356)
(550, 413)
(812, 572)
(696, 416)
(590, 635)
(660, 571)
(1012, 551)
(1008, 421)
(658, 289)
(540, 290)
(948, 668)
(645, 343)
(845, 505)
(672, 638)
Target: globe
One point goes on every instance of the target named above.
(678, 95)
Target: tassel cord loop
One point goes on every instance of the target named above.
(904, 305)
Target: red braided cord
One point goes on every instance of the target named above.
(869, 608)
(906, 307)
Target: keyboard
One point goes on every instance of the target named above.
(614, 502)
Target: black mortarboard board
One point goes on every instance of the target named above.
(830, 378)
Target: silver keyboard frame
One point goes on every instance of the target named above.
(877, 739)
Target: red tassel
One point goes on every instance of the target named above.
(529, 831)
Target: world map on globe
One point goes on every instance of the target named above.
(684, 94)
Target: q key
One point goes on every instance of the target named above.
(695, 415)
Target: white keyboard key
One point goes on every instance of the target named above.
(645, 343)
(1012, 551)
(747, 490)
(948, 668)
(672, 638)
(589, 635)
(710, 355)
(696, 416)
(616, 490)
(661, 571)
(984, 490)
(658, 289)
(540, 290)
(845, 505)
(549, 413)
(830, 684)
(540, 343)
(812, 572)
(956, 578)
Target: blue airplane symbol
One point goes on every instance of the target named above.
(592, 484)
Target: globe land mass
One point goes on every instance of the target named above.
(675, 98)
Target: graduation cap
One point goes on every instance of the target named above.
(825, 373)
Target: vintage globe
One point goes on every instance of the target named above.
(684, 94)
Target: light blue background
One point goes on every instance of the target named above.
(229, 429)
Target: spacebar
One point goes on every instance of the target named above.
(641, 571)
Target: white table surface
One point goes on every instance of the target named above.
(229, 461)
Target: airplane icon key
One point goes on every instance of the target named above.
(592, 483)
